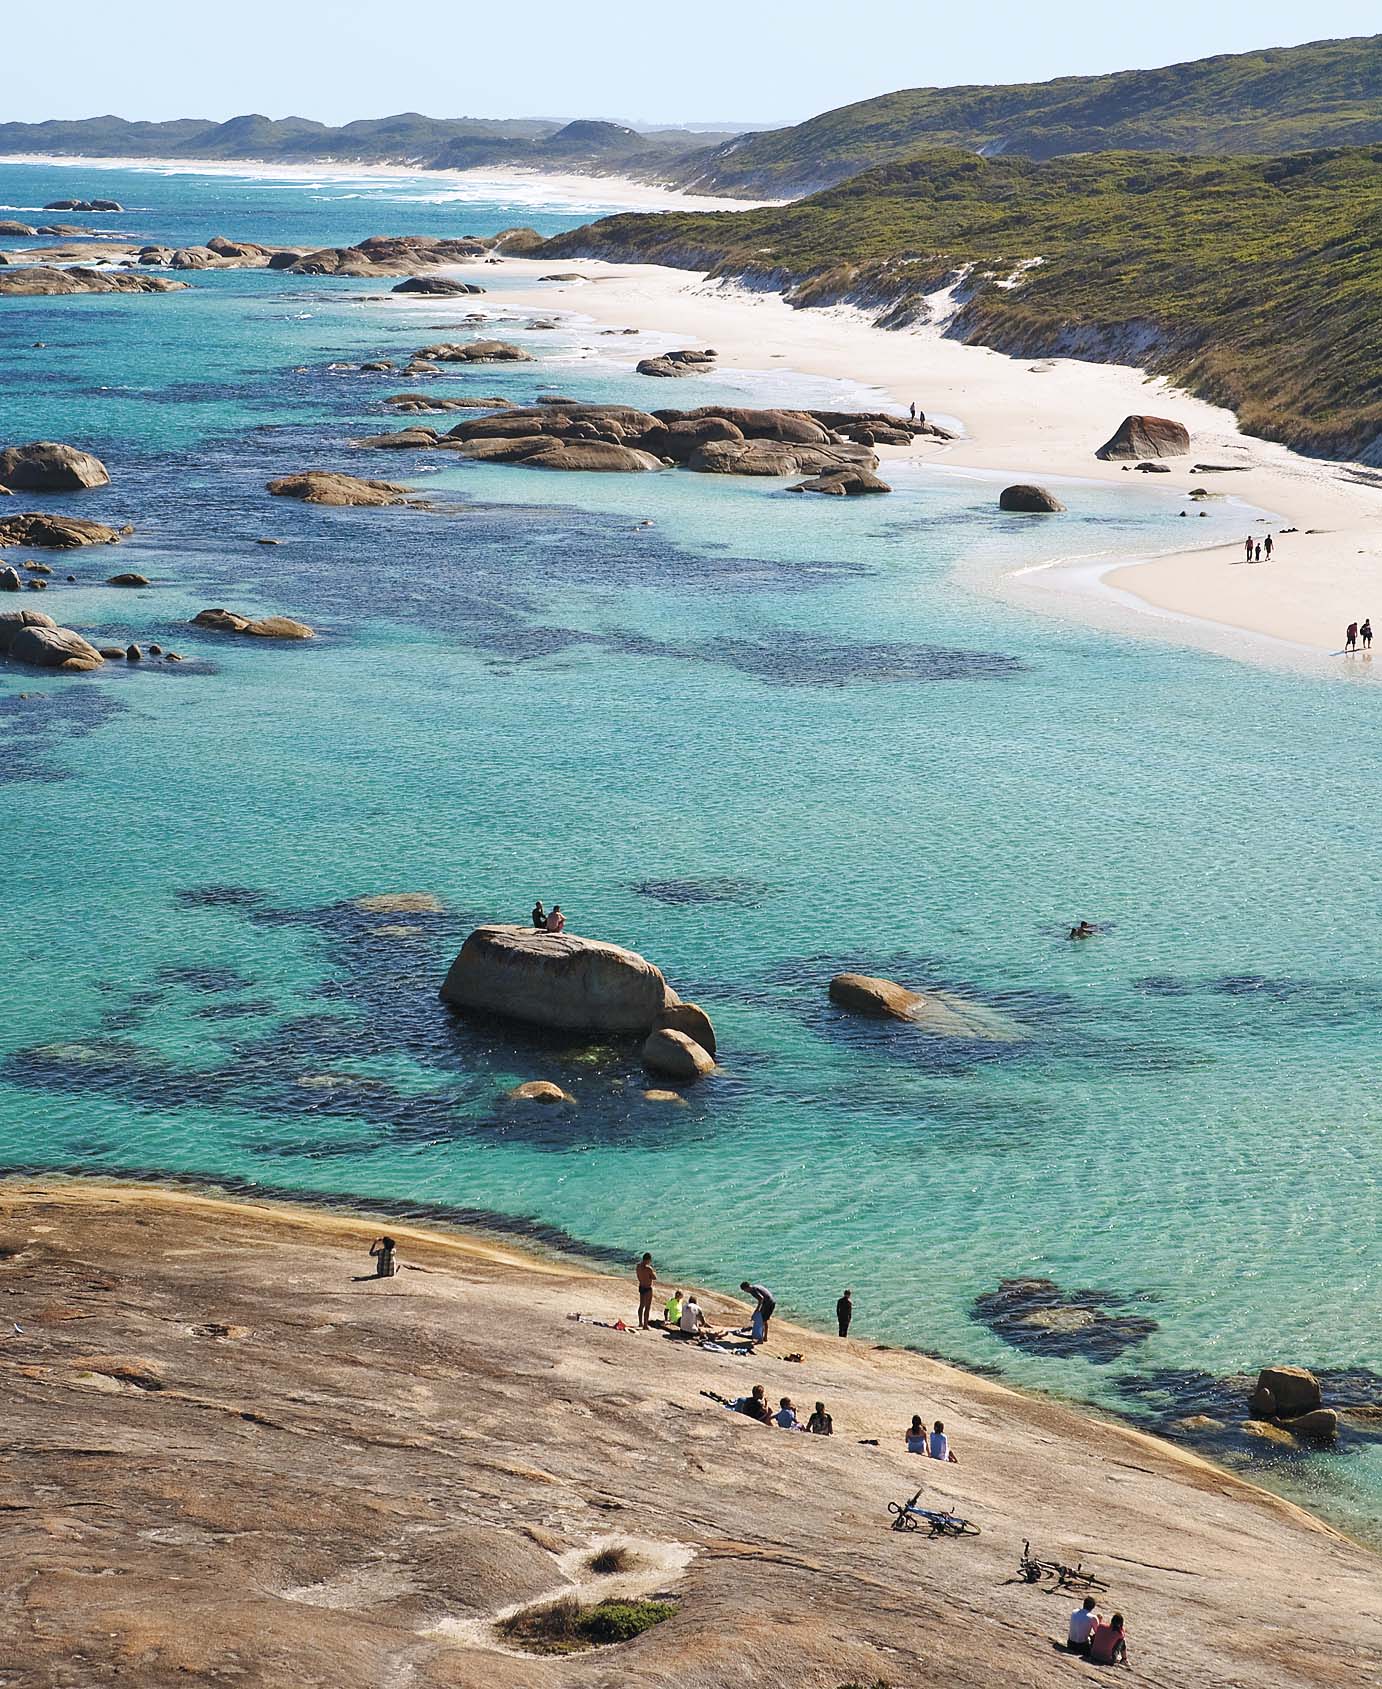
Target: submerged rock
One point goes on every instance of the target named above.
(400, 903)
(1146, 436)
(48, 466)
(265, 627)
(556, 980)
(1029, 499)
(538, 1091)
(939, 1012)
(1036, 1314)
(319, 486)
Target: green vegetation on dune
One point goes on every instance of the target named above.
(1287, 99)
(1254, 282)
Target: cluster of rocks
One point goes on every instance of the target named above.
(378, 255)
(563, 982)
(835, 448)
(42, 280)
(472, 352)
(28, 636)
(57, 533)
(84, 205)
(1288, 1399)
(678, 363)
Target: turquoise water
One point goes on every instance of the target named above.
(764, 740)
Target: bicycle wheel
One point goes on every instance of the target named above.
(953, 1527)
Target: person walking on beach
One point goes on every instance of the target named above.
(647, 1278)
(1365, 633)
(765, 1305)
(844, 1312)
(539, 917)
(1247, 549)
(1257, 558)
(1351, 637)
(556, 921)
(912, 410)
(385, 1253)
(1267, 547)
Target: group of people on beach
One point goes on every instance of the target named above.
(544, 922)
(1356, 637)
(1255, 550)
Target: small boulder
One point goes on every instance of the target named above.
(10, 580)
(129, 579)
(13, 623)
(1321, 1425)
(1029, 499)
(55, 533)
(475, 352)
(278, 627)
(691, 1019)
(317, 486)
(1293, 1389)
(879, 999)
(685, 362)
(133, 654)
(844, 483)
(673, 1053)
(1145, 436)
(48, 466)
(222, 621)
(53, 647)
(1263, 1432)
(442, 285)
(538, 1091)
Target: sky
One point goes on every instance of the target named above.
(758, 61)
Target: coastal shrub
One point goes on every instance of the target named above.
(610, 1560)
(565, 1627)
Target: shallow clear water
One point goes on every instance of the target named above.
(764, 740)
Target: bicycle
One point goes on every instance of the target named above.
(909, 1517)
(1032, 1570)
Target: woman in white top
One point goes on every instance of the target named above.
(939, 1448)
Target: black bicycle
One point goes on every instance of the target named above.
(1032, 1570)
(907, 1516)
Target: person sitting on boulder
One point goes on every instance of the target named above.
(384, 1250)
(539, 916)
(556, 921)
(820, 1423)
(1108, 1646)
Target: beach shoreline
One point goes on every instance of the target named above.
(508, 182)
(1045, 418)
(287, 1435)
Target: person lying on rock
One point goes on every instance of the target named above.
(755, 1406)
(556, 921)
(820, 1423)
(385, 1253)
(1108, 1646)
(539, 917)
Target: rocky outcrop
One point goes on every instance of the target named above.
(41, 280)
(47, 466)
(543, 451)
(441, 285)
(1145, 436)
(475, 352)
(514, 242)
(940, 1013)
(84, 205)
(677, 363)
(401, 439)
(380, 255)
(12, 229)
(1029, 499)
(427, 402)
(57, 533)
(776, 458)
(129, 578)
(319, 486)
(672, 1053)
(556, 980)
(28, 636)
(844, 483)
(265, 627)
(1283, 1392)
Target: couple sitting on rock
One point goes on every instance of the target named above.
(543, 922)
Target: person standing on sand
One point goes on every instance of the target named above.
(647, 1278)
(1351, 637)
(1247, 549)
(912, 410)
(1365, 633)
(1267, 547)
(1257, 556)
(844, 1312)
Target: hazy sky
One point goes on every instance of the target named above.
(757, 60)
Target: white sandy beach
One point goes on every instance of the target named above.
(1035, 418)
(512, 184)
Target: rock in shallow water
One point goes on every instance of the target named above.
(48, 466)
(671, 1052)
(538, 1091)
(1032, 500)
(556, 980)
(319, 486)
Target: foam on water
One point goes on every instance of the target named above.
(764, 740)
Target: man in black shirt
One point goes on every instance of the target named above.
(844, 1312)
